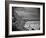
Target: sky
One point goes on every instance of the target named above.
(27, 12)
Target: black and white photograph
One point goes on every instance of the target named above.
(26, 19)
